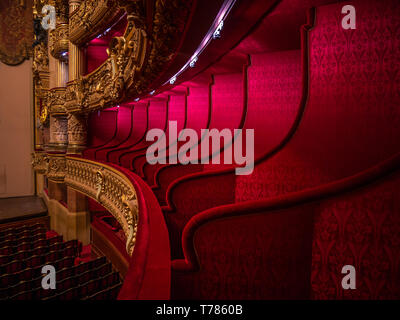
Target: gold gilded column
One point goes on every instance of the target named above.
(77, 124)
(76, 55)
(62, 73)
(58, 117)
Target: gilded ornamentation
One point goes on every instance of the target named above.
(99, 184)
(39, 162)
(44, 116)
(40, 70)
(77, 131)
(56, 167)
(117, 193)
(134, 60)
(58, 41)
(56, 100)
(90, 18)
(40, 62)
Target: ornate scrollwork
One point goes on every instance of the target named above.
(40, 162)
(113, 188)
(56, 167)
(58, 41)
(99, 184)
(56, 100)
(44, 116)
(92, 17)
(135, 59)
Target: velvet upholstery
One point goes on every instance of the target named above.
(137, 134)
(102, 128)
(158, 118)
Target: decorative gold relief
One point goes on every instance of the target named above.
(77, 132)
(40, 70)
(58, 41)
(131, 215)
(91, 18)
(56, 100)
(39, 162)
(116, 192)
(99, 184)
(44, 115)
(56, 167)
(134, 60)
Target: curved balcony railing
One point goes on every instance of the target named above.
(91, 18)
(110, 188)
(135, 59)
(132, 203)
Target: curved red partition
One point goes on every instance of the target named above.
(347, 127)
(125, 121)
(148, 275)
(158, 118)
(177, 107)
(273, 113)
(198, 117)
(227, 90)
(139, 128)
(102, 128)
(262, 249)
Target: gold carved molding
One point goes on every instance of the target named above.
(58, 41)
(40, 162)
(56, 100)
(111, 188)
(91, 18)
(135, 59)
(56, 167)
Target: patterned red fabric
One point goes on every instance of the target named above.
(346, 129)
(274, 92)
(360, 229)
(352, 119)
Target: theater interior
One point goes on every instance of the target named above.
(86, 84)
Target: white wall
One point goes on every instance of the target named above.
(16, 125)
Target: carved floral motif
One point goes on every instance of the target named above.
(110, 188)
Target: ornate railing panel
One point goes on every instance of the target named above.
(40, 162)
(135, 60)
(56, 100)
(111, 188)
(92, 17)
